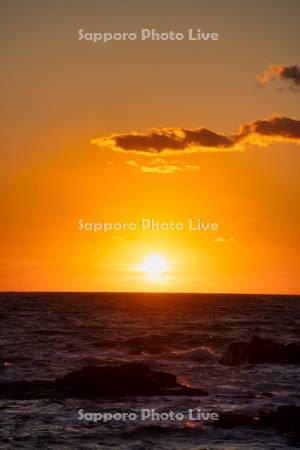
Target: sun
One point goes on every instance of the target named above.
(154, 265)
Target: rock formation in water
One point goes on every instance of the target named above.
(260, 351)
(285, 420)
(97, 381)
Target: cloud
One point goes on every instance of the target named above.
(178, 140)
(289, 74)
(131, 163)
(156, 141)
(162, 165)
(271, 130)
(169, 168)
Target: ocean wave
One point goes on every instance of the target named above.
(198, 354)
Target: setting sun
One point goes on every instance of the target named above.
(154, 265)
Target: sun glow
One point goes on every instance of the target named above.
(154, 266)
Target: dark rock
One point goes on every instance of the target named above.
(236, 419)
(266, 394)
(260, 351)
(97, 381)
(285, 420)
(250, 396)
(128, 379)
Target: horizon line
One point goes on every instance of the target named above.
(148, 292)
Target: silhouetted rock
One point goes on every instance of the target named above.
(285, 420)
(259, 351)
(267, 394)
(235, 419)
(128, 379)
(97, 381)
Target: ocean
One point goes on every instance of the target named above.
(45, 336)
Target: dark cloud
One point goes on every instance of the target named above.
(154, 142)
(206, 138)
(167, 139)
(273, 129)
(290, 74)
(259, 132)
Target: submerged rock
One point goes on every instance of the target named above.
(97, 381)
(260, 351)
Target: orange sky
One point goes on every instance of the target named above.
(61, 94)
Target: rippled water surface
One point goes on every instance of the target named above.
(43, 336)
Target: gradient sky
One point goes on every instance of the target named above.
(59, 94)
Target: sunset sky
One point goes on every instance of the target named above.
(166, 130)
